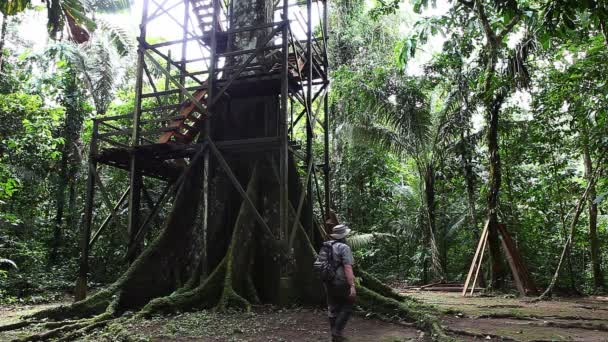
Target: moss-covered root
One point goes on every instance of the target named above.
(89, 307)
(17, 325)
(85, 330)
(204, 296)
(372, 283)
(83, 326)
(424, 316)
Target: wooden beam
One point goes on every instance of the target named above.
(239, 188)
(483, 249)
(110, 218)
(474, 262)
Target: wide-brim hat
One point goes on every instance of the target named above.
(340, 231)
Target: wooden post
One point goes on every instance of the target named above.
(480, 245)
(326, 168)
(283, 148)
(483, 249)
(182, 76)
(135, 180)
(310, 121)
(207, 135)
(521, 276)
(326, 123)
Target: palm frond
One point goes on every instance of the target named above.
(452, 229)
(12, 7)
(517, 68)
(102, 68)
(119, 36)
(375, 134)
(8, 263)
(109, 6)
(78, 10)
(363, 240)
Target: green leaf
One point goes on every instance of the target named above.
(12, 7)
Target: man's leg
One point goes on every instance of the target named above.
(332, 311)
(346, 309)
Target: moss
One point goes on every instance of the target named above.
(424, 316)
(94, 305)
(372, 283)
(205, 295)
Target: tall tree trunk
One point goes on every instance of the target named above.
(2, 41)
(429, 199)
(494, 181)
(245, 260)
(469, 177)
(598, 277)
(493, 99)
(62, 185)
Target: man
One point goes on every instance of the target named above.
(341, 291)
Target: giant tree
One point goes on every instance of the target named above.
(244, 263)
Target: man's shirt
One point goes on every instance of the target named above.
(342, 256)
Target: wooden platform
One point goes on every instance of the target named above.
(165, 161)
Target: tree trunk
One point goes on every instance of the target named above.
(577, 213)
(246, 263)
(494, 181)
(429, 199)
(598, 277)
(70, 158)
(469, 177)
(563, 216)
(2, 41)
(62, 185)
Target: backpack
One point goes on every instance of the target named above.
(324, 266)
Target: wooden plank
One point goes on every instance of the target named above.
(483, 249)
(521, 276)
(474, 262)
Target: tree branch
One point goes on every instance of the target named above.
(509, 27)
(485, 22)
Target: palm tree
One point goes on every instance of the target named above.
(76, 13)
(397, 114)
(97, 67)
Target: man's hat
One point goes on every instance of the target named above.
(340, 231)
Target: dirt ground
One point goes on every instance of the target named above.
(262, 324)
(478, 318)
(505, 318)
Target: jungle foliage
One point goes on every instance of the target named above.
(422, 104)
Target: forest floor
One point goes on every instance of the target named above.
(505, 317)
(496, 318)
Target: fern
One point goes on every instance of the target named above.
(363, 240)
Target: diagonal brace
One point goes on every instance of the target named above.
(178, 84)
(110, 218)
(239, 188)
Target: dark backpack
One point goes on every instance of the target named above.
(324, 266)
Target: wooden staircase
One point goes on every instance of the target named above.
(203, 9)
(190, 120)
(189, 123)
